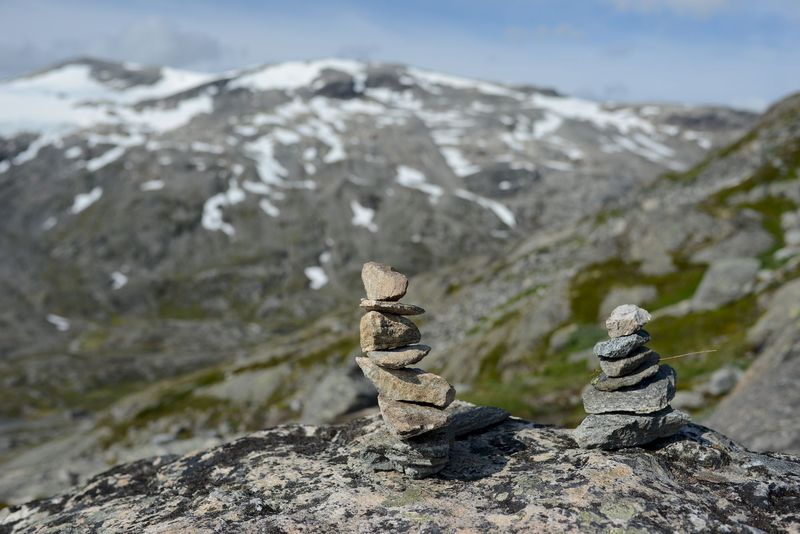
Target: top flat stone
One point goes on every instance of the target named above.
(387, 306)
(626, 319)
(382, 282)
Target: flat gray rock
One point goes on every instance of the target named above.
(605, 383)
(641, 356)
(617, 431)
(726, 280)
(399, 357)
(648, 396)
(382, 282)
(626, 319)
(381, 331)
(387, 306)
(619, 347)
(406, 419)
(410, 384)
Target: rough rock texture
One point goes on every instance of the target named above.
(649, 396)
(410, 384)
(726, 280)
(643, 356)
(605, 383)
(619, 347)
(386, 306)
(407, 420)
(516, 476)
(381, 331)
(762, 411)
(618, 430)
(382, 282)
(399, 357)
(626, 319)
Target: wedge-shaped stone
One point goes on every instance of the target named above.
(407, 420)
(619, 347)
(381, 331)
(626, 319)
(605, 383)
(640, 357)
(619, 430)
(382, 282)
(648, 396)
(400, 357)
(387, 306)
(411, 385)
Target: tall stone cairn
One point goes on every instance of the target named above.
(412, 401)
(628, 404)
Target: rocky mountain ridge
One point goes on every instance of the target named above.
(143, 247)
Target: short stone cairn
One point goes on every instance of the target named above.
(412, 401)
(628, 404)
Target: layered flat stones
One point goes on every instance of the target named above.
(630, 365)
(620, 430)
(387, 306)
(409, 384)
(382, 282)
(628, 403)
(605, 383)
(381, 331)
(407, 420)
(412, 401)
(399, 357)
(620, 347)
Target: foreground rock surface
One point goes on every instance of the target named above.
(516, 476)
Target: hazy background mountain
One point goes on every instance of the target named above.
(187, 247)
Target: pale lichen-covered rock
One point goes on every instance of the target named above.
(381, 331)
(649, 396)
(410, 384)
(387, 306)
(399, 357)
(626, 319)
(515, 476)
(382, 282)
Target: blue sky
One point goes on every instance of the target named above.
(733, 52)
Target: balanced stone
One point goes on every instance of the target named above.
(407, 420)
(399, 357)
(380, 331)
(605, 383)
(382, 282)
(387, 306)
(619, 347)
(641, 357)
(410, 384)
(648, 396)
(619, 430)
(626, 319)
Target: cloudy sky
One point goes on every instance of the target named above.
(738, 52)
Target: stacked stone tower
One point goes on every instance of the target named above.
(628, 404)
(412, 401)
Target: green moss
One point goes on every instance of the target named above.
(690, 175)
(584, 337)
(591, 285)
(411, 495)
(522, 295)
(183, 310)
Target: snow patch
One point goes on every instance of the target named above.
(212, 209)
(61, 323)
(457, 162)
(294, 75)
(414, 179)
(500, 210)
(118, 280)
(316, 276)
(363, 216)
(152, 185)
(84, 200)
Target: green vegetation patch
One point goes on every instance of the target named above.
(591, 285)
